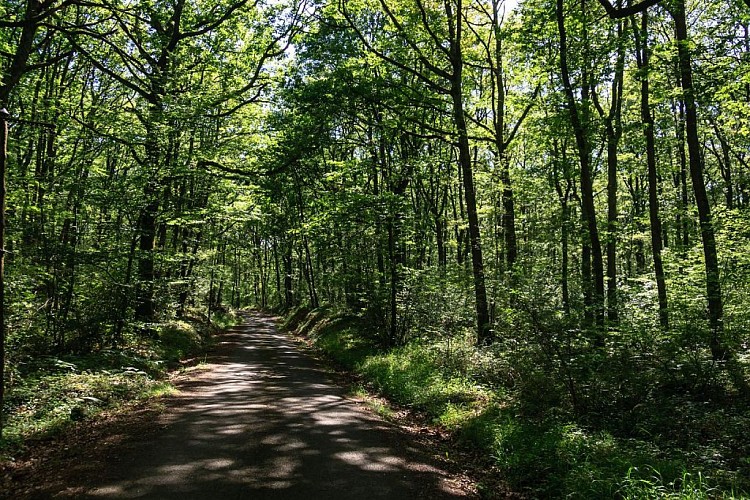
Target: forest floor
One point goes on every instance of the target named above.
(262, 419)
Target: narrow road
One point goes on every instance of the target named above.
(266, 421)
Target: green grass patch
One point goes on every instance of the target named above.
(380, 408)
(52, 393)
(411, 377)
(295, 318)
(221, 320)
(339, 338)
(45, 404)
(178, 340)
(414, 376)
(543, 453)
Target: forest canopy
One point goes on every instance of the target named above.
(555, 193)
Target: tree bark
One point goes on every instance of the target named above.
(725, 164)
(713, 285)
(503, 162)
(509, 212)
(613, 134)
(145, 307)
(563, 195)
(587, 188)
(644, 53)
(4, 115)
(683, 226)
(288, 279)
(310, 274)
(396, 256)
(484, 332)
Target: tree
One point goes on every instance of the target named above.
(579, 121)
(4, 115)
(643, 56)
(34, 14)
(154, 49)
(713, 281)
(445, 77)
(613, 133)
(502, 129)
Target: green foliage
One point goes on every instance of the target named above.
(522, 419)
(294, 318)
(410, 376)
(221, 320)
(651, 484)
(49, 394)
(341, 339)
(178, 339)
(56, 395)
(227, 170)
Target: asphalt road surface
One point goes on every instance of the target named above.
(265, 420)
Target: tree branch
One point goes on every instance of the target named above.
(523, 116)
(421, 76)
(622, 12)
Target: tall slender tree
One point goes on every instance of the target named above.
(643, 55)
(695, 158)
(445, 76)
(579, 121)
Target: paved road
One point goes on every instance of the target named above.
(266, 421)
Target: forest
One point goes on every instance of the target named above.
(528, 223)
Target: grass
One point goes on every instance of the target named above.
(54, 393)
(537, 444)
(45, 404)
(410, 378)
(377, 405)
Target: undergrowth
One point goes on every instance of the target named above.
(51, 393)
(521, 421)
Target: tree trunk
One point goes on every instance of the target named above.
(117, 337)
(563, 195)
(644, 53)
(613, 127)
(4, 115)
(288, 281)
(186, 267)
(612, 302)
(145, 307)
(683, 233)
(276, 266)
(725, 162)
(565, 212)
(378, 156)
(591, 239)
(395, 252)
(713, 285)
(310, 274)
(509, 213)
(503, 162)
(484, 331)
(459, 216)
(394, 266)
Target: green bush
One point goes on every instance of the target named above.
(178, 339)
(45, 403)
(549, 418)
(50, 393)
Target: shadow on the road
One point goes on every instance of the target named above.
(267, 422)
